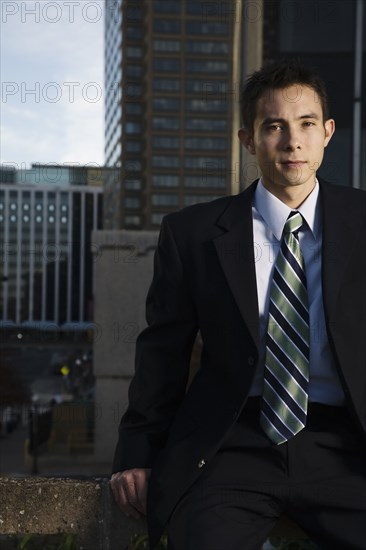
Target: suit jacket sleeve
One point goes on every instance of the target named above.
(163, 352)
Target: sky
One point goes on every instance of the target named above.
(52, 89)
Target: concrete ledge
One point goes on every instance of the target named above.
(81, 506)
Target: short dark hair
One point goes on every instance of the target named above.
(278, 75)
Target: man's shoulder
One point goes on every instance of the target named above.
(346, 197)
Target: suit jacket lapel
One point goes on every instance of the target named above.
(235, 251)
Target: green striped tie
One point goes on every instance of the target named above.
(286, 374)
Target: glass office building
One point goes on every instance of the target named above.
(329, 35)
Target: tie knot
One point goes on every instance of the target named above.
(294, 222)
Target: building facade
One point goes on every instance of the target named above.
(330, 36)
(172, 89)
(47, 214)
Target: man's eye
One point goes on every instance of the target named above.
(309, 123)
(274, 127)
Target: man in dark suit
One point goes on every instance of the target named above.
(274, 279)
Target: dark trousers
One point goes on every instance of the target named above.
(318, 478)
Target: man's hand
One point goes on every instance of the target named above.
(130, 491)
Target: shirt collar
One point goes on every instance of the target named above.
(275, 212)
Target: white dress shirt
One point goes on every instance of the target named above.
(269, 217)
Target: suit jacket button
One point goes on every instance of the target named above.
(201, 463)
(251, 361)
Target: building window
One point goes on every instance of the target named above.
(198, 8)
(203, 66)
(216, 144)
(206, 27)
(207, 47)
(134, 14)
(166, 85)
(134, 33)
(133, 108)
(206, 124)
(38, 219)
(132, 128)
(134, 71)
(134, 52)
(164, 200)
(165, 104)
(165, 142)
(166, 65)
(133, 90)
(26, 207)
(160, 161)
(133, 146)
(206, 105)
(209, 165)
(165, 180)
(132, 220)
(205, 181)
(166, 46)
(167, 26)
(165, 123)
(166, 7)
(156, 217)
(132, 202)
(63, 219)
(13, 206)
(133, 184)
(133, 165)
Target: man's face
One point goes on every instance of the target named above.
(289, 138)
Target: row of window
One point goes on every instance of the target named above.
(207, 88)
(204, 163)
(192, 46)
(204, 9)
(193, 26)
(172, 181)
(174, 7)
(195, 104)
(168, 200)
(13, 218)
(173, 65)
(173, 123)
(173, 142)
(13, 206)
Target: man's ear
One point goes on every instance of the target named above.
(246, 139)
(329, 127)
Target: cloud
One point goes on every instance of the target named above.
(47, 118)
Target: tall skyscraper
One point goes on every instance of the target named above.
(172, 78)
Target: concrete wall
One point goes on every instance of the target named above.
(123, 267)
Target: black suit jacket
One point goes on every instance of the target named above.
(204, 279)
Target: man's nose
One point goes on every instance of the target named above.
(291, 139)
